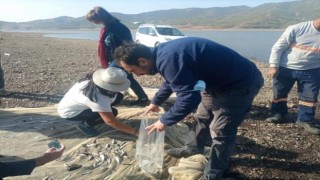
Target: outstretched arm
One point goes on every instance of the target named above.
(50, 155)
(25, 167)
(109, 119)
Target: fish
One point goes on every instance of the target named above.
(73, 167)
(67, 177)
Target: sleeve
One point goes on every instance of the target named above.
(281, 46)
(184, 105)
(102, 50)
(17, 168)
(179, 75)
(162, 95)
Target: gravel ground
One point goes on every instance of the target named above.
(39, 70)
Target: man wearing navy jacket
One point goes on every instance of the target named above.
(231, 81)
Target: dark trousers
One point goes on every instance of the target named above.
(89, 117)
(135, 86)
(225, 110)
(1, 76)
(308, 84)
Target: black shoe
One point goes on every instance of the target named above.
(4, 93)
(277, 118)
(184, 151)
(311, 127)
(114, 111)
(140, 102)
(231, 175)
(87, 130)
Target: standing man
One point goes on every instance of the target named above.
(295, 57)
(232, 82)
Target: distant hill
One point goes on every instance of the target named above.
(270, 15)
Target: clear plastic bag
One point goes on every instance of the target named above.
(150, 147)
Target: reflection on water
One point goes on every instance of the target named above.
(255, 45)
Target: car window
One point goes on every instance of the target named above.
(143, 30)
(151, 31)
(169, 31)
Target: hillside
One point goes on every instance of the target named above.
(270, 15)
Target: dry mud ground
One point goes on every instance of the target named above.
(39, 70)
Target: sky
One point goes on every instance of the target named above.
(28, 10)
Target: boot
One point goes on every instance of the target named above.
(87, 129)
(140, 102)
(277, 118)
(311, 127)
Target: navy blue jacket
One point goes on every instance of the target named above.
(115, 35)
(183, 61)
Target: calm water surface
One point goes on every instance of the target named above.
(252, 44)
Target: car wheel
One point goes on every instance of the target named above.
(156, 44)
(137, 41)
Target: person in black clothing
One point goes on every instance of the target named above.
(112, 35)
(25, 167)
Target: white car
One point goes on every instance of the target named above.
(152, 35)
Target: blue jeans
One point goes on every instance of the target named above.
(226, 109)
(308, 83)
(135, 86)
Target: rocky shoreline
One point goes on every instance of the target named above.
(39, 70)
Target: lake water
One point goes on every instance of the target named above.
(252, 44)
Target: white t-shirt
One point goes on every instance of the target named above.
(74, 102)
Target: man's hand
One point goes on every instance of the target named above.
(272, 72)
(50, 155)
(157, 126)
(152, 108)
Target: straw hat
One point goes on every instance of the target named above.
(111, 79)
